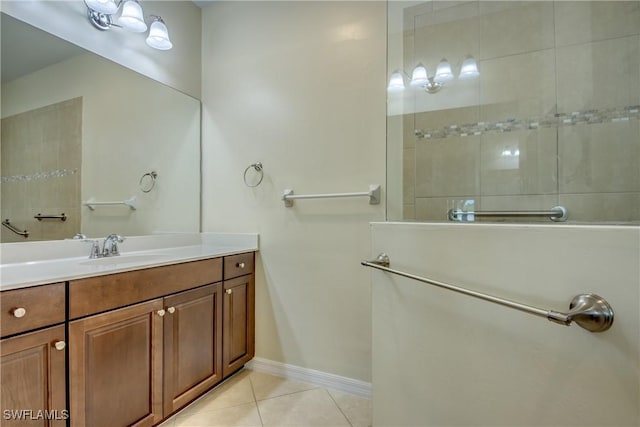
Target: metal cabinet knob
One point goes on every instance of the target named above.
(229, 291)
(171, 310)
(160, 312)
(19, 312)
(59, 345)
(240, 265)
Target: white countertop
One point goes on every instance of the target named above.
(150, 251)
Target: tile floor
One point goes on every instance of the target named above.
(252, 398)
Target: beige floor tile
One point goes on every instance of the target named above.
(237, 416)
(169, 423)
(358, 410)
(235, 391)
(266, 386)
(306, 408)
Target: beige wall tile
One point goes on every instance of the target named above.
(521, 27)
(409, 212)
(585, 21)
(409, 175)
(603, 207)
(437, 208)
(518, 86)
(448, 167)
(600, 157)
(445, 117)
(521, 162)
(408, 130)
(599, 75)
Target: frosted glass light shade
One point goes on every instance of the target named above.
(108, 7)
(159, 36)
(469, 69)
(132, 18)
(419, 76)
(396, 83)
(443, 72)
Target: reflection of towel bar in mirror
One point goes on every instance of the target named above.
(61, 217)
(557, 214)
(132, 203)
(374, 195)
(15, 229)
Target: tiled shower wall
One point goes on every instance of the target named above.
(559, 82)
(41, 157)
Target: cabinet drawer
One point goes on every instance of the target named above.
(102, 293)
(31, 308)
(238, 265)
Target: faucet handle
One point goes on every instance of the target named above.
(95, 248)
(110, 246)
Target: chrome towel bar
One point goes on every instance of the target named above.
(557, 214)
(373, 194)
(61, 217)
(589, 311)
(15, 229)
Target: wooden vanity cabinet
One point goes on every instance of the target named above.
(137, 364)
(238, 345)
(192, 345)
(33, 370)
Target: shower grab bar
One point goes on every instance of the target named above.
(132, 203)
(373, 194)
(15, 229)
(557, 214)
(589, 311)
(61, 217)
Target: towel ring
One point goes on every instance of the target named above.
(150, 182)
(258, 168)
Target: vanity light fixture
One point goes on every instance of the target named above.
(444, 73)
(100, 14)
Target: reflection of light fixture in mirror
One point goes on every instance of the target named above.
(469, 69)
(396, 82)
(100, 14)
(444, 74)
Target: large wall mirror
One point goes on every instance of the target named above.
(536, 106)
(112, 150)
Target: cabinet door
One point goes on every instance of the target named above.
(34, 379)
(238, 323)
(115, 360)
(192, 345)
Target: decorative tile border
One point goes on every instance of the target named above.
(38, 176)
(614, 115)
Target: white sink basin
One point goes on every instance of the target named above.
(125, 259)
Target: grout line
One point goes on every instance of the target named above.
(255, 400)
(339, 408)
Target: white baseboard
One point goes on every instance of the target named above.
(319, 378)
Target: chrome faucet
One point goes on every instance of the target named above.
(110, 245)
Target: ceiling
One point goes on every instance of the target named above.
(17, 61)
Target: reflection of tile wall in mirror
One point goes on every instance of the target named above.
(559, 80)
(41, 170)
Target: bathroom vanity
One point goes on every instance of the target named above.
(134, 341)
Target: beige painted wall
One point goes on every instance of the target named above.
(299, 86)
(131, 125)
(446, 359)
(178, 67)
